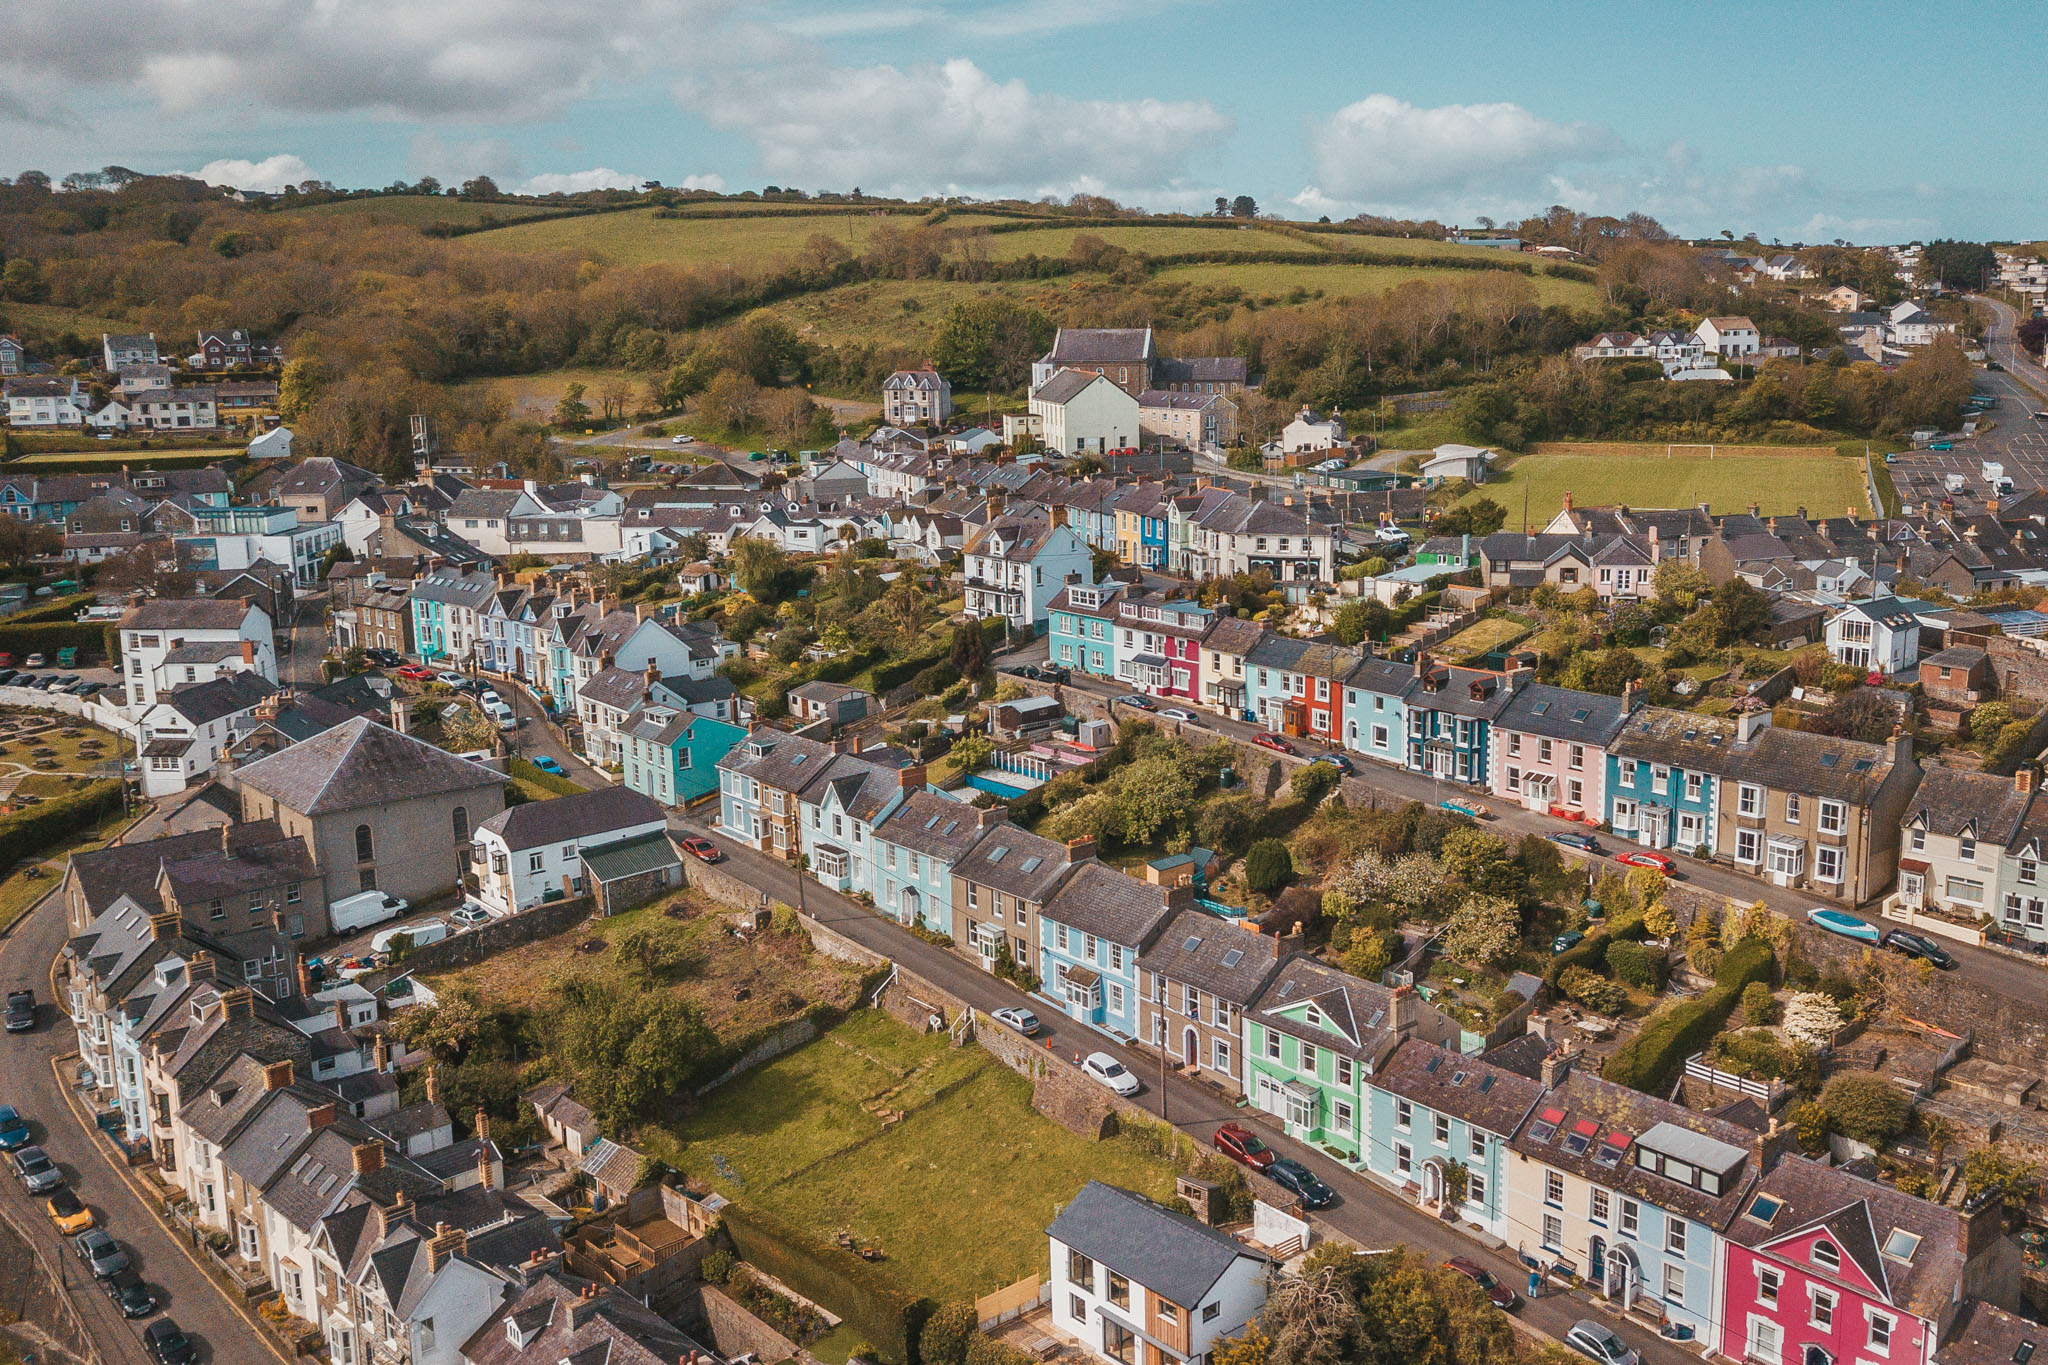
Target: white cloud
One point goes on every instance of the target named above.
(271, 174)
(1383, 151)
(935, 126)
(714, 183)
(576, 182)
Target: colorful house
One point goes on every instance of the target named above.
(1550, 748)
(1375, 710)
(841, 807)
(1089, 937)
(1433, 1109)
(1159, 645)
(1450, 717)
(916, 845)
(1229, 641)
(672, 754)
(1662, 778)
(1141, 526)
(1080, 633)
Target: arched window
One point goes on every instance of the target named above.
(364, 851)
(462, 824)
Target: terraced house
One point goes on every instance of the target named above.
(1550, 748)
(1970, 848)
(1313, 1042)
(1434, 1113)
(1195, 983)
(1090, 936)
(1080, 631)
(1663, 779)
(841, 806)
(1159, 645)
(1375, 713)
(1450, 714)
(758, 785)
(915, 846)
(1001, 884)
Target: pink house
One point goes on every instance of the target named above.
(1550, 748)
(1159, 646)
(1827, 1268)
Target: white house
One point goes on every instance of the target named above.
(483, 517)
(916, 398)
(1729, 335)
(60, 401)
(1142, 1284)
(183, 736)
(1459, 462)
(1310, 432)
(1083, 413)
(534, 852)
(1909, 324)
(169, 641)
(1880, 634)
(274, 444)
(1016, 565)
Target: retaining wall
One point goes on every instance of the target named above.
(462, 950)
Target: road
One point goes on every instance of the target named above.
(1365, 1212)
(1994, 971)
(2017, 439)
(2001, 344)
(184, 1290)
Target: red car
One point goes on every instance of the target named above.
(416, 672)
(1502, 1297)
(1635, 857)
(1273, 742)
(1242, 1145)
(697, 846)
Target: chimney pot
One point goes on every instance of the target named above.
(277, 1075)
(2023, 779)
(367, 1157)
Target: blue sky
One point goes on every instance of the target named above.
(1801, 121)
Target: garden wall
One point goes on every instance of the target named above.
(462, 950)
(732, 1331)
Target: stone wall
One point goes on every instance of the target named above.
(788, 1038)
(465, 949)
(730, 1330)
(725, 888)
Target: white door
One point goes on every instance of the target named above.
(1766, 1343)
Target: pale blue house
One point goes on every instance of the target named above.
(1089, 937)
(1432, 1109)
(916, 845)
(1375, 717)
(1081, 630)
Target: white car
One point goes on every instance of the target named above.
(1598, 1342)
(1183, 715)
(1110, 1072)
(1392, 535)
(1332, 466)
(454, 680)
(470, 916)
(421, 934)
(681, 440)
(500, 713)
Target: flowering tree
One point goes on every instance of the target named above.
(1484, 930)
(1813, 1019)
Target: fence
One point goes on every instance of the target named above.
(1011, 1301)
(1766, 1093)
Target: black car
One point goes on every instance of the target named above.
(1030, 671)
(131, 1295)
(21, 1011)
(1584, 843)
(1916, 945)
(1058, 673)
(168, 1344)
(1301, 1181)
(8, 675)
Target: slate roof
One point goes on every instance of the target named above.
(1101, 346)
(533, 824)
(1984, 1334)
(454, 588)
(1065, 385)
(1213, 955)
(227, 695)
(1950, 801)
(106, 873)
(790, 763)
(1492, 1097)
(1561, 713)
(1361, 1010)
(1167, 1251)
(1016, 862)
(185, 613)
(1205, 369)
(1100, 900)
(360, 763)
(619, 688)
(937, 826)
(559, 1326)
(1237, 635)
(630, 857)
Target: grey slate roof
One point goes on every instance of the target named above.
(1492, 1097)
(1101, 346)
(1951, 800)
(1163, 1249)
(227, 695)
(1015, 862)
(185, 613)
(1213, 955)
(1360, 1010)
(1065, 385)
(537, 823)
(1561, 713)
(360, 763)
(928, 823)
(1100, 900)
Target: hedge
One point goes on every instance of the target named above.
(883, 1315)
(56, 609)
(46, 824)
(844, 667)
(1591, 952)
(519, 770)
(47, 637)
(1651, 1061)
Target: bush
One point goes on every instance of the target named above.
(983, 1349)
(1630, 962)
(881, 1313)
(1313, 781)
(1759, 1006)
(1594, 991)
(522, 771)
(1651, 1060)
(47, 637)
(1866, 1108)
(717, 1268)
(1268, 866)
(936, 679)
(946, 1334)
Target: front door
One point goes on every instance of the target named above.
(1191, 1047)
(1440, 763)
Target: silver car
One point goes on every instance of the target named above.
(1597, 1342)
(37, 1173)
(101, 1252)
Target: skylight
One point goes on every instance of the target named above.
(1901, 1245)
(1193, 942)
(1433, 1064)
(998, 854)
(1545, 1126)
(1485, 1084)
(1457, 1078)
(951, 825)
(1031, 864)
(1610, 1151)
(1580, 715)
(798, 761)
(1540, 708)
(1830, 760)
(1764, 1208)
(1581, 1137)
(931, 822)
(1862, 765)
(1233, 957)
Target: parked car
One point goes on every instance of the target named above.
(1183, 715)
(384, 658)
(1337, 761)
(68, 1212)
(13, 1129)
(547, 765)
(101, 1253)
(450, 679)
(1018, 1018)
(1110, 1072)
(21, 1011)
(1920, 946)
(1391, 535)
(1291, 1175)
(168, 1344)
(1268, 740)
(421, 934)
(1031, 671)
(1571, 838)
(499, 712)
(130, 1295)
(681, 439)
(34, 1169)
(1137, 701)
(1597, 1342)
(35, 660)
(1637, 857)
(1242, 1145)
(701, 848)
(1501, 1296)
(7, 675)
(1942, 445)
(416, 672)
(1058, 673)
(471, 916)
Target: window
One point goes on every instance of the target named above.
(1341, 1115)
(1478, 1144)
(216, 910)
(1827, 863)
(535, 861)
(1553, 1188)
(1674, 1235)
(1627, 772)
(1475, 1187)
(292, 893)
(1119, 1290)
(1596, 1205)
(1077, 1307)
(1442, 1130)
(1553, 1232)
(1834, 818)
(1169, 1314)
(1404, 1158)
(1272, 1046)
(1823, 1309)
(1081, 1271)
(366, 880)
(1344, 1070)
(1967, 891)
(1211, 1311)
(1748, 846)
(1880, 1332)
(1827, 1256)
(1749, 799)
(461, 821)
(1792, 808)
(1674, 1283)
(1631, 1218)
(365, 850)
(1767, 1282)
(1404, 1115)
(1308, 1058)
(1222, 1057)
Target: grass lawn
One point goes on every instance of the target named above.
(1824, 485)
(636, 236)
(1269, 280)
(1481, 637)
(535, 395)
(957, 1194)
(1415, 246)
(108, 450)
(1145, 239)
(418, 209)
(48, 317)
(776, 974)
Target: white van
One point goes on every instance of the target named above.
(425, 932)
(351, 913)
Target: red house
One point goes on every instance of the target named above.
(1828, 1268)
(1159, 646)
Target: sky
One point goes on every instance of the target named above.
(1802, 120)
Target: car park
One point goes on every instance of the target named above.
(68, 1211)
(1489, 1283)
(1109, 1071)
(13, 1129)
(1601, 1343)
(1243, 1146)
(546, 765)
(1571, 838)
(1920, 946)
(168, 1344)
(1291, 1175)
(1636, 857)
(21, 1011)
(100, 1252)
(34, 1169)
(701, 848)
(1268, 740)
(1016, 1017)
(129, 1294)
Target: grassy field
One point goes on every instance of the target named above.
(1825, 486)
(1481, 637)
(1275, 282)
(1414, 246)
(636, 236)
(169, 453)
(48, 317)
(418, 209)
(51, 775)
(957, 1194)
(1146, 239)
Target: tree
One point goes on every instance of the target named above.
(971, 753)
(1862, 713)
(1739, 612)
(1268, 866)
(969, 653)
(1362, 619)
(469, 730)
(758, 566)
(1812, 1019)
(1680, 583)
(1481, 862)
(1987, 1170)
(625, 1049)
(480, 187)
(731, 400)
(1483, 931)
(612, 397)
(1480, 517)
(1312, 781)
(1244, 206)
(1957, 265)
(946, 1334)
(297, 388)
(1313, 1318)
(990, 342)
(570, 409)
(1594, 991)
(1866, 1108)
(1249, 1347)
(1759, 1006)
(789, 415)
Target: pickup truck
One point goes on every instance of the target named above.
(21, 1011)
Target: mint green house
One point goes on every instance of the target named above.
(1315, 1039)
(671, 754)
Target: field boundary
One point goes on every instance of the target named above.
(1662, 450)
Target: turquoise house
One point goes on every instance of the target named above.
(1433, 1109)
(1375, 718)
(914, 849)
(671, 754)
(1079, 631)
(1662, 778)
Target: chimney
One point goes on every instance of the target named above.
(1756, 509)
(1080, 850)
(910, 778)
(277, 1075)
(341, 1016)
(380, 1053)
(995, 505)
(991, 817)
(1406, 1012)
(365, 1157)
(319, 1117)
(2023, 779)
(433, 1084)
(1179, 897)
(486, 1176)
(1556, 1065)
(1902, 744)
(445, 1242)
(1753, 717)
(1983, 1227)
(482, 1125)
(163, 925)
(1421, 664)
(1991, 507)
(200, 968)
(304, 972)
(1057, 513)
(248, 653)
(382, 1217)
(1567, 499)
(238, 1003)
(641, 611)
(653, 676)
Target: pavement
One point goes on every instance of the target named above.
(184, 1291)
